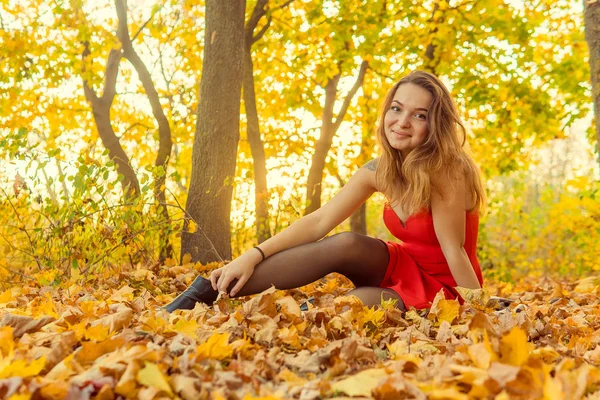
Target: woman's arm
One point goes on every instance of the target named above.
(448, 206)
(307, 229)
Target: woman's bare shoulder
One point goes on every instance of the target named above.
(369, 171)
(372, 165)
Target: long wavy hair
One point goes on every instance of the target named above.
(408, 181)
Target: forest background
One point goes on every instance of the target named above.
(98, 116)
(145, 142)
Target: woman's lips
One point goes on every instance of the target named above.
(401, 134)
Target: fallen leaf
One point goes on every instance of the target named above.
(217, 346)
(361, 384)
(152, 376)
(514, 348)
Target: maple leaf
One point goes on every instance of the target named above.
(187, 328)
(478, 298)
(152, 376)
(10, 367)
(443, 310)
(514, 348)
(361, 384)
(217, 346)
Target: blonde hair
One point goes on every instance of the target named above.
(408, 180)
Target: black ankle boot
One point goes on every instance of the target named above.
(199, 291)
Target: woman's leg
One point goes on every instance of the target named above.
(361, 259)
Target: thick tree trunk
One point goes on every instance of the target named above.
(165, 142)
(328, 130)
(217, 134)
(592, 36)
(261, 191)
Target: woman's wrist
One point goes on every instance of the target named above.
(253, 256)
(262, 253)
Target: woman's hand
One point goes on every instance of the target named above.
(241, 269)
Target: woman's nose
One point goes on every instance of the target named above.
(404, 120)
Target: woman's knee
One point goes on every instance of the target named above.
(346, 240)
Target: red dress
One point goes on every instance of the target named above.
(417, 269)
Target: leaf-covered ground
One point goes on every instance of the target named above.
(108, 339)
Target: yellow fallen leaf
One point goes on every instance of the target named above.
(217, 346)
(187, 328)
(448, 310)
(55, 390)
(481, 353)
(6, 296)
(478, 298)
(514, 348)
(187, 257)
(21, 368)
(20, 396)
(289, 336)
(362, 383)
(291, 378)
(127, 383)
(44, 306)
(97, 333)
(152, 376)
(116, 321)
(443, 310)
(7, 343)
(125, 293)
(553, 388)
(587, 285)
(436, 393)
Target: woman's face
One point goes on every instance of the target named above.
(405, 122)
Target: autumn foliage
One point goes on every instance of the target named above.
(108, 339)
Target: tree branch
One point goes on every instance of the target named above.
(357, 84)
(130, 54)
(259, 11)
(260, 34)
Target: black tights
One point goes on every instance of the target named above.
(361, 259)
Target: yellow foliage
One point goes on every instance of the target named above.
(10, 367)
(152, 376)
(514, 348)
(361, 384)
(217, 346)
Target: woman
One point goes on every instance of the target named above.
(434, 196)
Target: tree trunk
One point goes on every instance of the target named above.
(101, 111)
(261, 191)
(261, 196)
(165, 142)
(592, 36)
(431, 63)
(328, 130)
(315, 174)
(217, 134)
(358, 220)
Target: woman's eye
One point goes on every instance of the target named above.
(395, 108)
(421, 116)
